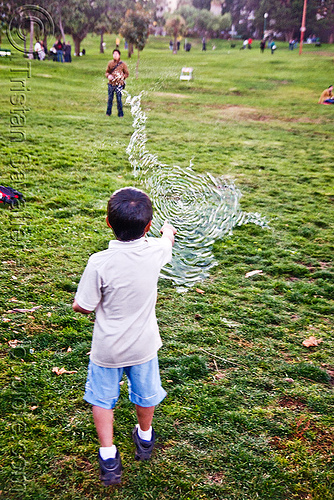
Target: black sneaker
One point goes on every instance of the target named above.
(143, 448)
(111, 470)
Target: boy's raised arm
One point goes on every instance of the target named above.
(79, 309)
(168, 231)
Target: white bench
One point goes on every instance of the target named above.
(186, 74)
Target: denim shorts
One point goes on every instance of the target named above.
(144, 384)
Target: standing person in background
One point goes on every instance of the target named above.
(59, 48)
(262, 45)
(42, 52)
(117, 43)
(204, 44)
(116, 72)
(67, 52)
(250, 41)
(39, 48)
(272, 46)
(244, 44)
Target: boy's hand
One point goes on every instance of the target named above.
(168, 231)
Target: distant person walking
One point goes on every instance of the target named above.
(116, 72)
(327, 96)
(244, 44)
(272, 46)
(262, 45)
(204, 44)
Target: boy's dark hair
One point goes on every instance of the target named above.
(129, 212)
(116, 50)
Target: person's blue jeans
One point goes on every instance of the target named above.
(60, 56)
(111, 90)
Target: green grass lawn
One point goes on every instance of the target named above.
(249, 411)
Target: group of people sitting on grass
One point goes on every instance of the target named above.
(60, 52)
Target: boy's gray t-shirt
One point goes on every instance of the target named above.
(121, 285)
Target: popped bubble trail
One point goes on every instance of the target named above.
(202, 207)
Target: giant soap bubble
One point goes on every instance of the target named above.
(202, 207)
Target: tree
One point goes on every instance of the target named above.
(105, 22)
(286, 16)
(203, 22)
(113, 14)
(325, 18)
(202, 4)
(9, 12)
(189, 14)
(23, 21)
(5, 15)
(208, 23)
(175, 26)
(79, 17)
(135, 29)
(240, 12)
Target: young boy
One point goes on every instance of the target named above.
(120, 284)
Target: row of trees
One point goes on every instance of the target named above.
(202, 21)
(284, 16)
(132, 18)
(80, 17)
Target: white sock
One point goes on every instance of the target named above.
(108, 452)
(145, 435)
